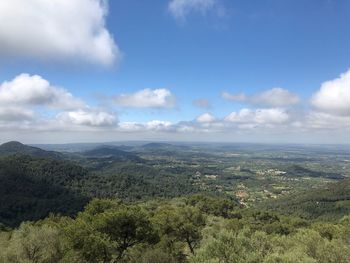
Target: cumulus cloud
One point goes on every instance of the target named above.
(181, 8)
(205, 118)
(87, 118)
(275, 97)
(147, 98)
(36, 91)
(157, 125)
(13, 114)
(201, 103)
(334, 96)
(274, 120)
(57, 29)
(259, 116)
(154, 125)
(130, 126)
(32, 102)
(325, 121)
(234, 97)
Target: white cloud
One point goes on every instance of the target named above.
(130, 126)
(34, 90)
(273, 120)
(259, 116)
(183, 128)
(324, 121)
(32, 102)
(234, 97)
(154, 125)
(202, 103)
(13, 114)
(205, 118)
(275, 97)
(334, 96)
(181, 8)
(147, 98)
(157, 125)
(87, 118)
(57, 29)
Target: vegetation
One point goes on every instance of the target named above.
(31, 188)
(11, 148)
(174, 203)
(192, 229)
(330, 203)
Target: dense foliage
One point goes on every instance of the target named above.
(193, 229)
(113, 204)
(330, 203)
(11, 148)
(31, 188)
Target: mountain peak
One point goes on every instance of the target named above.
(13, 142)
(15, 147)
(12, 145)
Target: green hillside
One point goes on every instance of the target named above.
(14, 147)
(31, 188)
(329, 203)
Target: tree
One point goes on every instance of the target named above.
(126, 227)
(180, 224)
(107, 228)
(93, 246)
(234, 247)
(214, 205)
(37, 244)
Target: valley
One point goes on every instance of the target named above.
(173, 202)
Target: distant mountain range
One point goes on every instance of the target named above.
(13, 147)
(115, 152)
(161, 147)
(156, 145)
(35, 182)
(106, 151)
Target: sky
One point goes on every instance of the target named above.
(267, 71)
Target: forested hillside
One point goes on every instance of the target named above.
(194, 229)
(165, 203)
(11, 148)
(329, 203)
(33, 182)
(31, 188)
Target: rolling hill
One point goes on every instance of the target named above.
(114, 152)
(329, 203)
(13, 147)
(31, 188)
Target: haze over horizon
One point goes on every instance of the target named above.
(176, 70)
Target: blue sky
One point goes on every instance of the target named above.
(258, 52)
